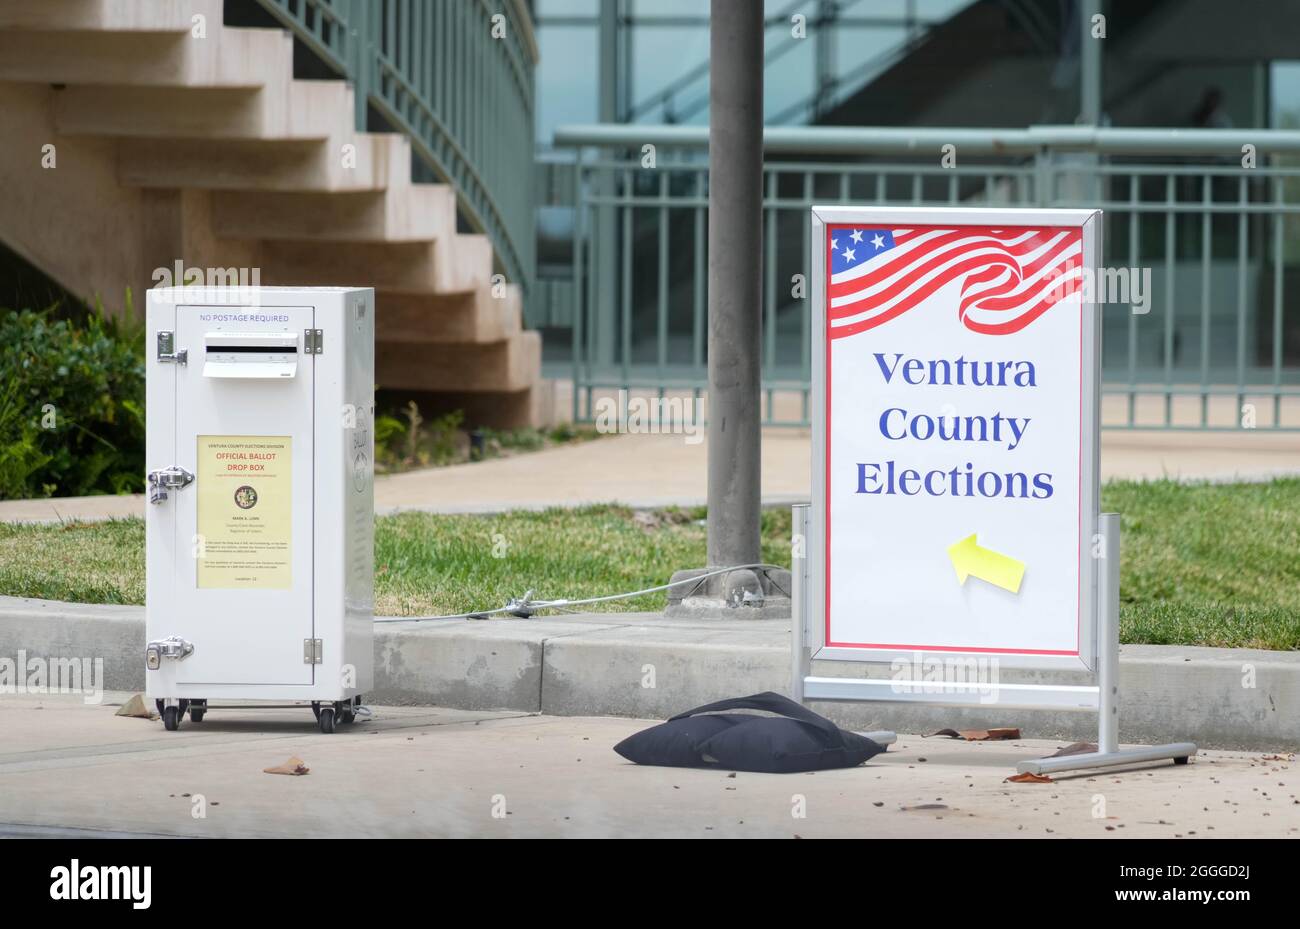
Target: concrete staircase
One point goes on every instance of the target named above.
(176, 138)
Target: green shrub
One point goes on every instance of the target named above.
(417, 442)
(71, 405)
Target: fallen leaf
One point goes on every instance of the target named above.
(1028, 778)
(135, 707)
(294, 766)
(979, 735)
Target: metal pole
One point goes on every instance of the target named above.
(894, 140)
(1108, 635)
(735, 273)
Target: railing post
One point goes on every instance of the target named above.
(605, 236)
(579, 289)
(359, 58)
(1090, 100)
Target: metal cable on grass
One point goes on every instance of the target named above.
(536, 605)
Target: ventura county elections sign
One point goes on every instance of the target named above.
(955, 434)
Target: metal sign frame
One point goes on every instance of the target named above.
(1089, 224)
(1098, 639)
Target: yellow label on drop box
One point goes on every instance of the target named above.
(245, 516)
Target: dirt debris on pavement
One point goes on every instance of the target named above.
(294, 767)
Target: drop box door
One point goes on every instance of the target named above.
(245, 430)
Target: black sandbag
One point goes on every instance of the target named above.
(797, 739)
(676, 744)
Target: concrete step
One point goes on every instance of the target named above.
(235, 58)
(474, 317)
(375, 162)
(501, 367)
(414, 311)
(111, 15)
(156, 111)
(163, 113)
(419, 213)
(287, 110)
(531, 407)
(444, 266)
(473, 261)
(403, 267)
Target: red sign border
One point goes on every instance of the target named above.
(830, 228)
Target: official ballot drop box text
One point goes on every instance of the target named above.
(260, 520)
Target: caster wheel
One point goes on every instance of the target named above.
(198, 709)
(1182, 760)
(326, 719)
(347, 717)
(171, 718)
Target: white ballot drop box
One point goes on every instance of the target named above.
(260, 516)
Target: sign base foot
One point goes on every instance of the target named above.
(881, 737)
(1178, 752)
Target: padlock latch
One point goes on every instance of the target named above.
(165, 479)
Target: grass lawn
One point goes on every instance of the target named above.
(1203, 564)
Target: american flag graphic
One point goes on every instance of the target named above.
(1009, 277)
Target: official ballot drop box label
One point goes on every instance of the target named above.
(245, 518)
(955, 404)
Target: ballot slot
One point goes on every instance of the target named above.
(250, 354)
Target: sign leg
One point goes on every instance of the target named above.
(800, 664)
(1109, 754)
(800, 654)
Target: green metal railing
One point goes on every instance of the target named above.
(1218, 348)
(688, 95)
(435, 71)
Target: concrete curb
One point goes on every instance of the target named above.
(47, 511)
(644, 665)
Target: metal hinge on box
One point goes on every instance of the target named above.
(312, 651)
(167, 348)
(313, 341)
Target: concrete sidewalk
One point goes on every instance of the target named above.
(432, 772)
(659, 470)
(644, 665)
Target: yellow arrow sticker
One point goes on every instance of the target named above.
(971, 558)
